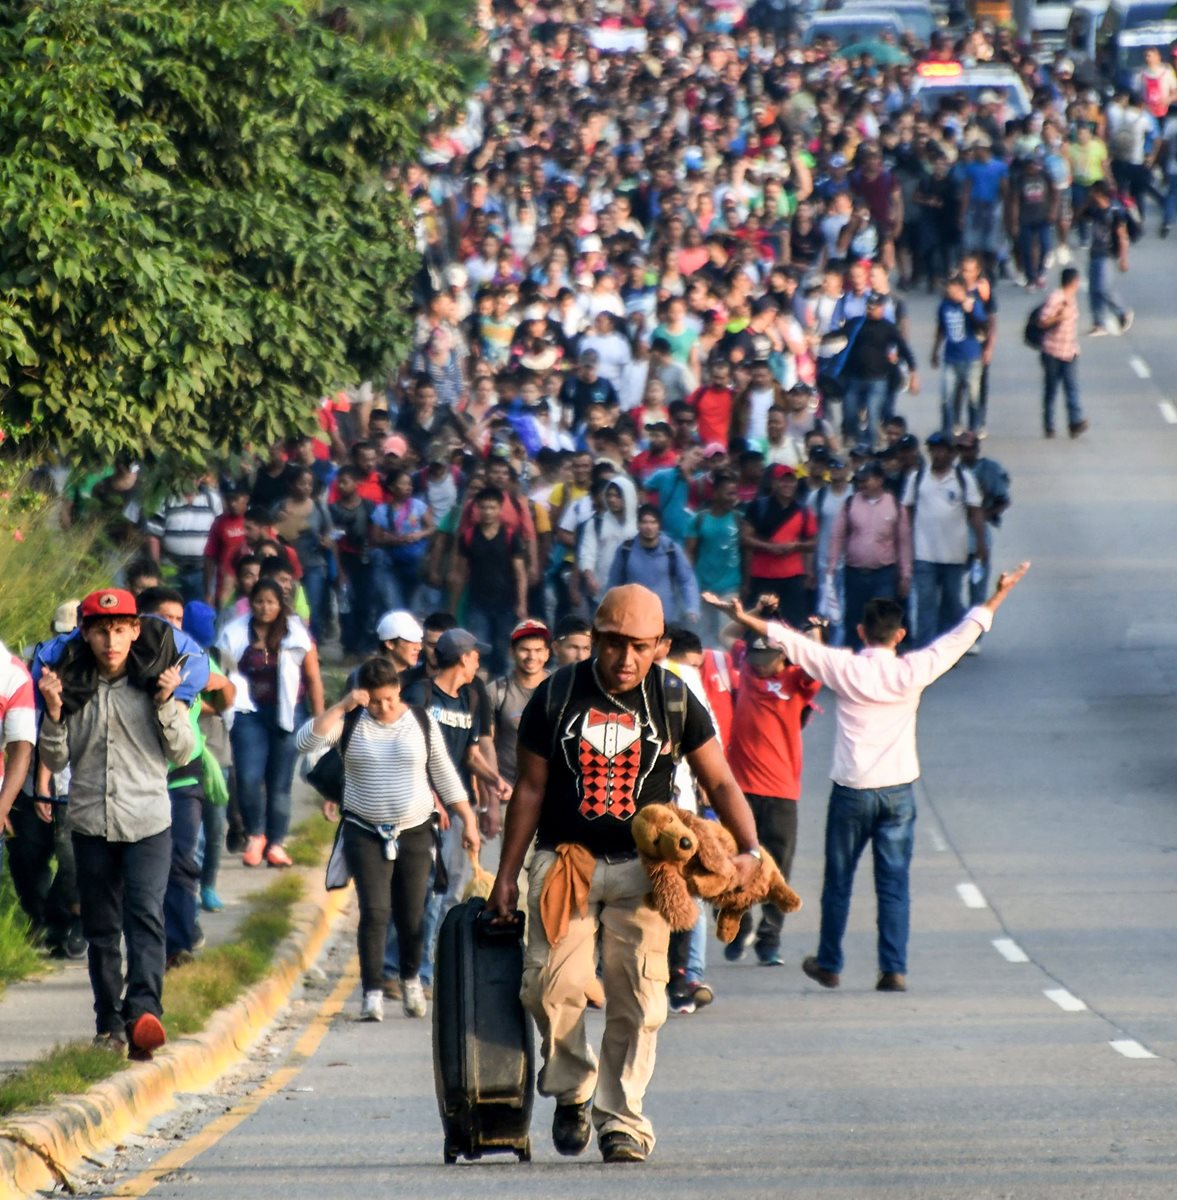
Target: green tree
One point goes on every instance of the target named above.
(197, 239)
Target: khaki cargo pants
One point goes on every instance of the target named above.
(634, 941)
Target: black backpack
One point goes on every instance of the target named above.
(326, 776)
(670, 691)
(1035, 331)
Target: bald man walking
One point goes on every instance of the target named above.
(597, 741)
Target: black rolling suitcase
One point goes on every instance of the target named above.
(483, 1051)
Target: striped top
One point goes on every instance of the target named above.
(386, 778)
(184, 523)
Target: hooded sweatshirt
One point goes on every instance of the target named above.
(603, 533)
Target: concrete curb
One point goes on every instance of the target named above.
(39, 1151)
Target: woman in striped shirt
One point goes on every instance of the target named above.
(394, 758)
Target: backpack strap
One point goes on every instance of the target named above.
(674, 707)
(422, 719)
(350, 720)
(560, 685)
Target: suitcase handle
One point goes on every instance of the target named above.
(490, 929)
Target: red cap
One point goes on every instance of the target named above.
(530, 628)
(110, 602)
(781, 471)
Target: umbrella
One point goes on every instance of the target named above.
(884, 53)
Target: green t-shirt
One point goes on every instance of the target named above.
(717, 552)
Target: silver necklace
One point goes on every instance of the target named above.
(612, 697)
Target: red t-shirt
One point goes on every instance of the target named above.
(371, 488)
(713, 408)
(645, 464)
(225, 539)
(801, 526)
(765, 749)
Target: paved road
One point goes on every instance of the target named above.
(1047, 824)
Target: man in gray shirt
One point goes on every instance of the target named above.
(117, 738)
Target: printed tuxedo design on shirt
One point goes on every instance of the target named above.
(607, 748)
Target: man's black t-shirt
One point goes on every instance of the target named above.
(463, 718)
(609, 757)
(492, 568)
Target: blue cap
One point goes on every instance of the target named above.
(200, 622)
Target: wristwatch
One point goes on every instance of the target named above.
(755, 852)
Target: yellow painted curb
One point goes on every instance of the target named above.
(41, 1150)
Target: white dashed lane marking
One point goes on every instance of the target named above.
(1065, 1000)
(971, 896)
(1140, 367)
(1130, 1048)
(1010, 950)
(937, 840)
(1168, 411)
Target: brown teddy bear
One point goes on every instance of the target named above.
(684, 857)
(687, 856)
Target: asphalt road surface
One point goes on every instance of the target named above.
(1034, 1055)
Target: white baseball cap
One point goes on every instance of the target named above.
(399, 626)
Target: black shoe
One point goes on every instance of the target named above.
(618, 1147)
(234, 841)
(679, 994)
(827, 979)
(891, 981)
(770, 956)
(701, 993)
(572, 1130)
(75, 944)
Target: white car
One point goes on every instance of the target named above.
(937, 81)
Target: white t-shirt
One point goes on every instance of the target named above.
(941, 533)
(759, 402)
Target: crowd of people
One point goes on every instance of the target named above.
(660, 349)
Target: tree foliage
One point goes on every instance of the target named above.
(197, 239)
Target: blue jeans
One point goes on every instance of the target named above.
(863, 394)
(938, 603)
(314, 585)
(213, 828)
(961, 381)
(1103, 295)
(863, 585)
(979, 589)
(264, 758)
(1169, 209)
(697, 954)
(1056, 371)
(179, 901)
(492, 626)
(396, 584)
(885, 817)
(356, 626)
(1035, 241)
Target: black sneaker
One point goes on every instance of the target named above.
(679, 994)
(75, 944)
(701, 993)
(618, 1147)
(770, 956)
(572, 1129)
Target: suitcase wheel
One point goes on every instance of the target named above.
(449, 1154)
(524, 1152)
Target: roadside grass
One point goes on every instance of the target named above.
(310, 840)
(18, 956)
(64, 1071)
(191, 995)
(219, 974)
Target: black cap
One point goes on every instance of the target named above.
(762, 646)
(875, 298)
(862, 450)
(908, 442)
(938, 438)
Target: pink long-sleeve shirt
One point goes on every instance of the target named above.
(878, 697)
